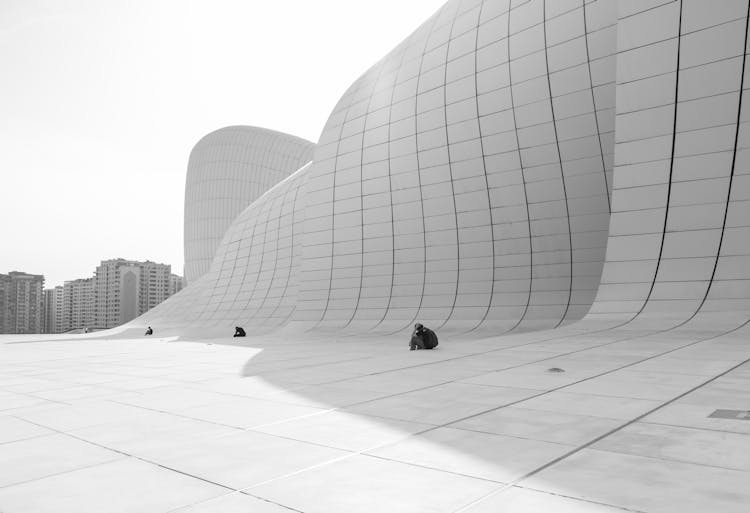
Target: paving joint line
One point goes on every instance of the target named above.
(129, 455)
(55, 474)
(622, 426)
(580, 499)
(673, 460)
(365, 452)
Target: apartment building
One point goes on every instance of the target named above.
(176, 283)
(21, 302)
(79, 305)
(125, 289)
(53, 309)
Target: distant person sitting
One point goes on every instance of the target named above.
(239, 332)
(422, 338)
(149, 331)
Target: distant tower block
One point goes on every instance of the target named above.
(228, 169)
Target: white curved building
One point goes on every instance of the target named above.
(463, 180)
(254, 278)
(228, 169)
(466, 180)
(678, 253)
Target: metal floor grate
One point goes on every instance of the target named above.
(731, 414)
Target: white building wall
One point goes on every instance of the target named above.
(228, 169)
(463, 180)
(679, 246)
(254, 278)
(466, 181)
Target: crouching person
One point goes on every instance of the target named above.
(422, 338)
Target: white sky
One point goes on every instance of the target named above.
(101, 102)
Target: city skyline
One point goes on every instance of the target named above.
(49, 284)
(83, 140)
(116, 291)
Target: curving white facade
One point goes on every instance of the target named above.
(511, 166)
(228, 169)
(679, 239)
(463, 180)
(254, 278)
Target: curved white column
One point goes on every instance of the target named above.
(228, 169)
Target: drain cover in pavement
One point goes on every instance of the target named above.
(555, 369)
(731, 414)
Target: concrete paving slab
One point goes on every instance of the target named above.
(325, 396)
(591, 405)
(129, 384)
(681, 365)
(533, 376)
(13, 429)
(247, 386)
(395, 382)
(363, 484)
(122, 486)
(10, 401)
(77, 392)
(246, 412)
(308, 435)
(244, 459)
(556, 427)
(30, 459)
(310, 375)
(645, 484)
(719, 449)
(235, 502)
(172, 398)
(482, 455)
(82, 413)
(348, 431)
(721, 394)
(442, 403)
(29, 385)
(151, 432)
(640, 385)
(520, 500)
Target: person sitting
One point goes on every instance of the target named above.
(422, 338)
(239, 332)
(149, 331)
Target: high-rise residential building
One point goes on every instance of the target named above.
(176, 283)
(124, 289)
(21, 303)
(4, 302)
(79, 305)
(53, 310)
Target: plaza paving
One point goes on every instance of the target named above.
(91, 424)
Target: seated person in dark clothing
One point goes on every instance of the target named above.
(239, 332)
(149, 331)
(423, 338)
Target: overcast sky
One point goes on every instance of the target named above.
(101, 102)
